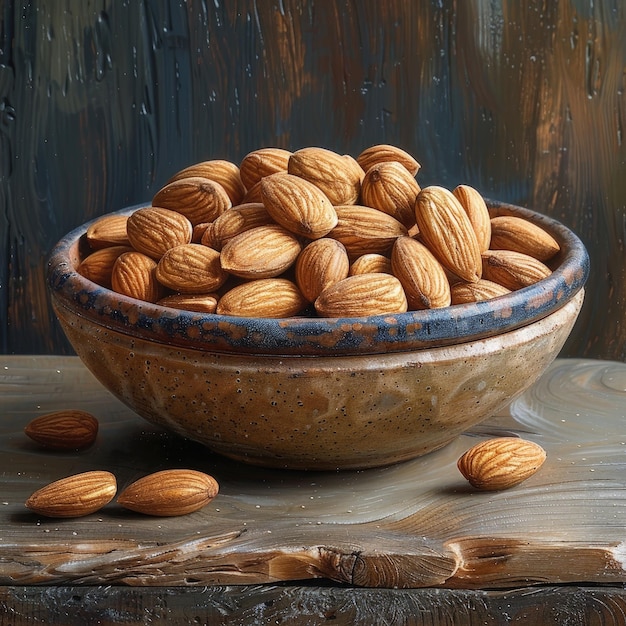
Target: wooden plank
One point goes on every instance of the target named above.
(416, 524)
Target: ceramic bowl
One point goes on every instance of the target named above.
(320, 394)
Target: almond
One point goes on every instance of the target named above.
(224, 172)
(134, 275)
(509, 232)
(261, 252)
(371, 264)
(263, 162)
(463, 293)
(69, 429)
(266, 297)
(422, 276)
(320, 264)
(74, 496)
(253, 194)
(236, 221)
(204, 303)
(191, 268)
(446, 230)
(362, 295)
(109, 230)
(478, 213)
(513, 270)
(298, 205)
(168, 493)
(337, 176)
(198, 199)
(153, 230)
(390, 188)
(501, 463)
(382, 153)
(98, 266)
(365, 230)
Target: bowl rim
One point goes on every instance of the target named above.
(410, 331)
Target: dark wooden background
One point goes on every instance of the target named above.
(100, 101)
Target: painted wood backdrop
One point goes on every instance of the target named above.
(100, 101)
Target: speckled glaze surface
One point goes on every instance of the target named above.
(320, 393)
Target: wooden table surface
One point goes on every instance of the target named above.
(416, 527)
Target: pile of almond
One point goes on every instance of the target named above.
(313, 232)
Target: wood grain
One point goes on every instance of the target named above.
(101, 103)
(413, 525)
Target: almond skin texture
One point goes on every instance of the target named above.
(108, 231)
(263, 162)
(198, 303)
(422, 276)
(74, 496)
(134, 275)
(320, 264)
(153, 230)
(513, 270)
(198, 199)
(362, 295)
(390, 188)
(509, 232)
(446, 230)
(298, 205)
(234, 222)
(70, 429)
(191, 268)
(169, 493)
(98, 266)
(463, 293)
(336, 175)
(224, 172)
(501, 463)
(382, 153)
(371, 264)
(267, 298)
(476, 209)
(365, 230)
(261, 252)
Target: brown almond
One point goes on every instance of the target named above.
(362, 295)
(191, 268)
(169, 493)
(509, 232)
(320, 264)
(298, 205)
(109, 230)
(476, 208)
(203, 303)
(513, 270)
(153, 230)
(74, 496)
(464, 293)
(371, 264)
(98, 266)
(389, 187)
(446, 230)
(134, 275)
(69, 429)
(266, 298)
(263, 162)
(261, 252)
(224, 172)
(421, 275)
(236, 221)
(198, 199)
(334, 174)
(365, 230)
(381, 153)
(501, 463)
(253, 194)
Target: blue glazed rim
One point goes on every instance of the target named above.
(411, 331)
